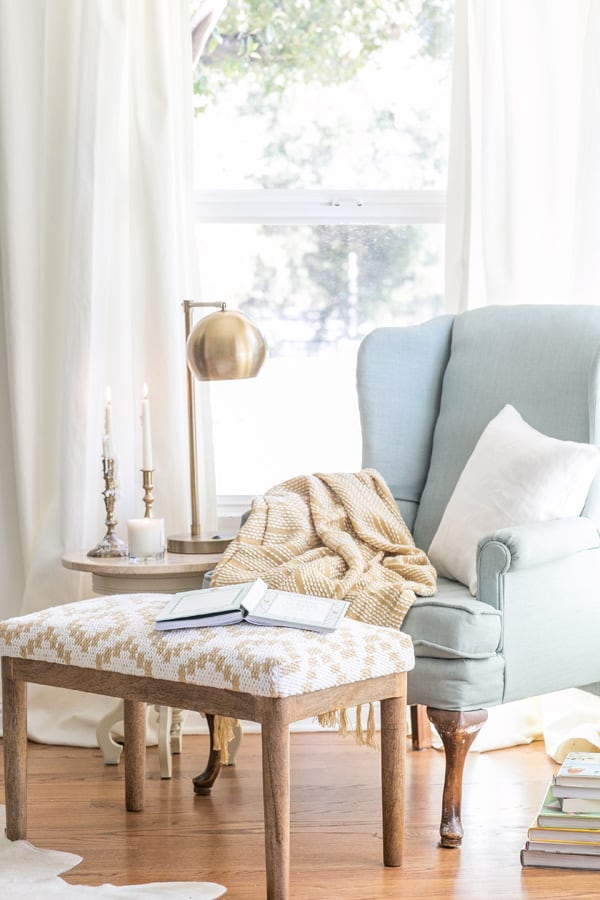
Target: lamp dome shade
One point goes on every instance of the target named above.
(225, 345)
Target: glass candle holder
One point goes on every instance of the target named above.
(146, 539)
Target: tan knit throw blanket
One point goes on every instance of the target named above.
(332, 535)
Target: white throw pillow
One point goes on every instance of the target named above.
(515, 475)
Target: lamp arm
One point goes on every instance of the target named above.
(192, 304)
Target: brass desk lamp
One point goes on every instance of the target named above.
(224, 345)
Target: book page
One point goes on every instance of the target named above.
(203, 602)
(284, 606)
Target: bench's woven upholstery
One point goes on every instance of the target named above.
(117, 634)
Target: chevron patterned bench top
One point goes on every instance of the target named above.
(117, 634)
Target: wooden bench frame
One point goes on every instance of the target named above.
(273, 713)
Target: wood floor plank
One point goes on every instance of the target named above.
(76, 804)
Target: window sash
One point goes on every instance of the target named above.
(281, 207)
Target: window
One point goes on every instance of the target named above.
(321, 165)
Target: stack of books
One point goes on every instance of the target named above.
(566, 831)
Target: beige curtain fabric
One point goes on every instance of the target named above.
(523, 210)
(523, 199)
(97, 253)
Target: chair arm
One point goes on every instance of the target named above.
(525, 546)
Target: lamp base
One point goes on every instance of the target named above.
(198, 543)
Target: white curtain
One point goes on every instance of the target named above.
(523, 215)
(96, 255)
(524, 185)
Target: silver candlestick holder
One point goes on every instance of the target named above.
(110, 545)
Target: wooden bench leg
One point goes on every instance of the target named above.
(134, 721)
(14, 715)
(276, 800)
(393, 754)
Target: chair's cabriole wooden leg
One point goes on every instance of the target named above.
(276, 799)
(14, 714)
(457, 731)
(393, 750)
(134, 720)
(205, 780)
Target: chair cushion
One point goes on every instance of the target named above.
(515, 476)
(452, 625)
(117, 634)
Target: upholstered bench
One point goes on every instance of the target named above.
(274, 676)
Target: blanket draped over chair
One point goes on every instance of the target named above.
(332, 535)
(338, 535)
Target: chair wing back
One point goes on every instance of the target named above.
(399, 380)
(543, 360)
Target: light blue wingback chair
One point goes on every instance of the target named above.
(425, 395)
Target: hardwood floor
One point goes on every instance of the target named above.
(76, 804)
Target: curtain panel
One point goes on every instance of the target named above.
(524, 181)
(96, 255)
(523, 213)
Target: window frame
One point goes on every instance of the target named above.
(270, 206)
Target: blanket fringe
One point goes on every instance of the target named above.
(365, 737)
(223, 734)
(337, 718)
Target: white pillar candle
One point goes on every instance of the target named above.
(146, 538)
(146, 435)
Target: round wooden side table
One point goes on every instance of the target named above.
(114, 575)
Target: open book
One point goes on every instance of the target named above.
(252, 602)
